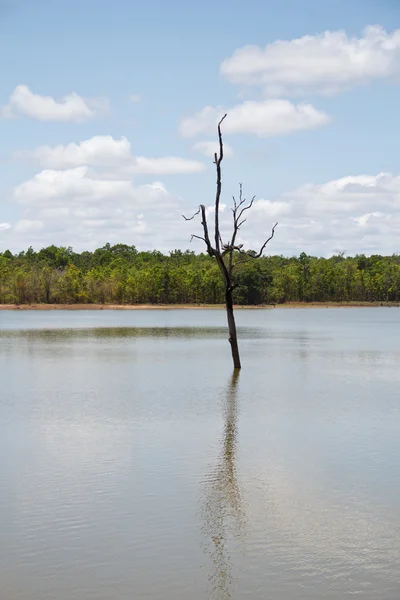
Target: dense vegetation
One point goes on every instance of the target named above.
(120, 274)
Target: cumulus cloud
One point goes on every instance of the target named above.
(75, 207)
(351, 195)
(70, 108)
(267, 208)
(359, 214)
(100, 150)
(63, 185)
(84, 195)
(209, 148)
(105, 151)
(327, 63)
(165, 166)
(268, 118)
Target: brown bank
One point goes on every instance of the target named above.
(192, 306)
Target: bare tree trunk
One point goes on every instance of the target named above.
(225, 254)
(232, 328)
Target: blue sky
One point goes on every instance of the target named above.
(104, 121)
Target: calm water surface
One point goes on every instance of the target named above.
(133, 465)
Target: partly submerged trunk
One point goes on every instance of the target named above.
(232, 328)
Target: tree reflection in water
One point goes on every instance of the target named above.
(223, 513)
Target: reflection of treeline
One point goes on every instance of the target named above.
(122, 275)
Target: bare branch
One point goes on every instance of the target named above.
(211, 251)
(266, 242)
(218, 161)
(197, 237)
(246, 207)
(237, 223)
(191, 218)
(241, 199)
(240, 262)
(221, 146)
(248, 255)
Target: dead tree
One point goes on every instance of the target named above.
(230, 254)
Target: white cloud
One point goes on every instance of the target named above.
(70, 183)
(351, 195)
(75, 207)
(360, 214)
(135, 98)
(267, 208)
(70, 108)
(356, 213)
(5, 226)
(268, 118)
(329, 62)
(209, 148)
(165, 166)
(364, 219)
(26, 226)
(105, 151)
(100, 150)
(157, 185)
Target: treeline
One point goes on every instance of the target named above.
(121, 275)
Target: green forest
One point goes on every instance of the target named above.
(120, 274)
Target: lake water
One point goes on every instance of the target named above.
(134, 466)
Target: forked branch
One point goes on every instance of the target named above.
(224, 253)
(250, 254)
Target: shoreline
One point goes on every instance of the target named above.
(195, 306)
